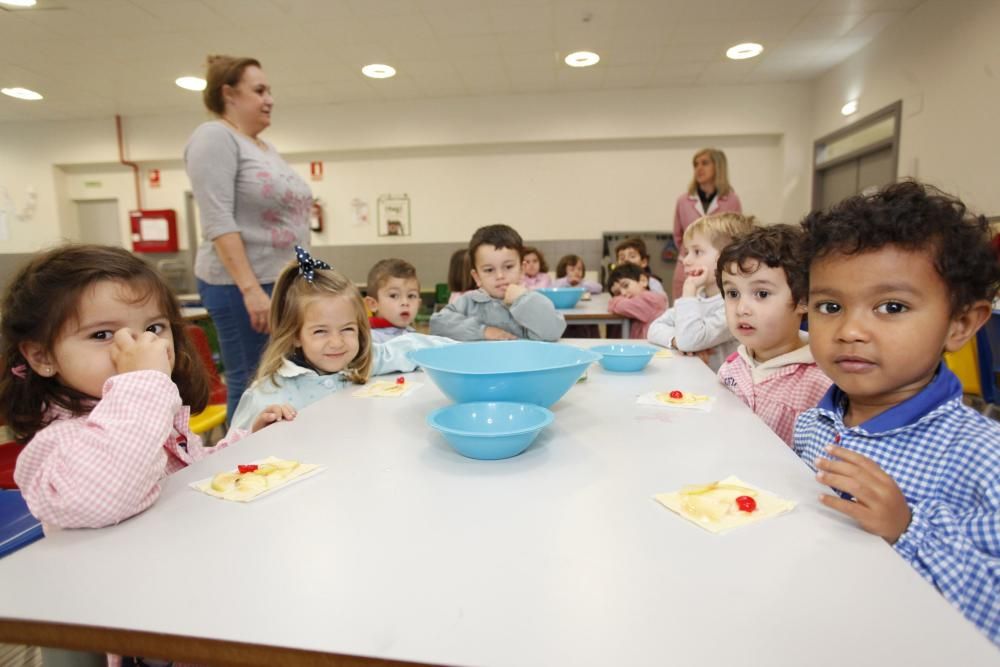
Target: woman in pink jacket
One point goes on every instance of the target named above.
(709, 192)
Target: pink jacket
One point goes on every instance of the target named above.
(688, 210)
(641, 309)
(778, 390)
(590, 286)
(101, 468)
(540, 280)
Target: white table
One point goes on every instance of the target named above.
(194, 313)
(595, 311)
(404, 550)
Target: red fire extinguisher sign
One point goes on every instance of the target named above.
(154, 178)
(316, 170)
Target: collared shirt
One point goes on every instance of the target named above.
(945, 457)
(531, 316)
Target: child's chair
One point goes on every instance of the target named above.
(9, 451)
(214, 415)
(964, 363)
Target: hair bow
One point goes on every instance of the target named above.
(308, 265)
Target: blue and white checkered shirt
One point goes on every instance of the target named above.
(946, 459)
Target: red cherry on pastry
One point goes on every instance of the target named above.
(676, 394)
(401, 380)
(746, 504)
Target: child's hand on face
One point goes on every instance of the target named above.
(145, 352)
(273, 414)
(878, 506)
(513, 291)
(694, 281)
(496, 333)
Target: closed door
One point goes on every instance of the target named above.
(861, 175)
(98, 222)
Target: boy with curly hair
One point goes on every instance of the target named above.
(763, 282)
(895, 279)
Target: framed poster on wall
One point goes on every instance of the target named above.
(394, 215)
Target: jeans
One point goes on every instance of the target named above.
(240, 345)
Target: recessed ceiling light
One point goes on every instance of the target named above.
(19, 3)
(849, 108)
(582, 59)
(744, 51)
(21, 93)
(376, 71)
(191, 83)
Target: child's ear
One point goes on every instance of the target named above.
(644, 281)
(475, 277)
(371, 304)
(38, 358)
(965, 325)
(801, 308)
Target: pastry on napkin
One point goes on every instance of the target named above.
(682, 400)
(724, 505)
(253, 480)
(387, 389)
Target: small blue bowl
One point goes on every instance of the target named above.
(562, 297)
(490, 430)
(624, 358)
(519, 371)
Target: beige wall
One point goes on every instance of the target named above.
(943, 61)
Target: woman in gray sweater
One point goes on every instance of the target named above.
(254, 210)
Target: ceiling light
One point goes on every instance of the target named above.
(582, 59)
(849, 108)
(376, 71)
(21, 93)
(191, 83)
(744, 51)
(19, 3)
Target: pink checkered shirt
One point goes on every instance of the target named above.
(777, 390)
(99, 469)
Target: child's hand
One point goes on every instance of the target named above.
(573, 281)
(145, 352)
(704, 355)
(878, 506)
(495, 333)
(513, 291)
(273, 414)
(694, 281)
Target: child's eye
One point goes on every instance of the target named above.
(762, 294)
(732, 294)
(157, 328)
(891, 308)
(828, 308)
(102, 335)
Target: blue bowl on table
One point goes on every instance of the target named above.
(490, 430)
(519, 371)
(562, 297)
(624, 357)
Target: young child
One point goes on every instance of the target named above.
(459, 274)
(633, 251)
(393, 298)
(895, 279)
(634, 300)
(763, 282)
(570, 272)
(320, 341)
(502, 308)
(98, 378)
(697, 322)
(535, 268)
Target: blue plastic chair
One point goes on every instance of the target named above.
(988, 344)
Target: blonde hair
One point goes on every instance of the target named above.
(722, 186)
(720, 228)
(292, 293)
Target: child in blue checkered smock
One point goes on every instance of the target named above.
(895, 279)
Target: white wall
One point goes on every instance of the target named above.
(943, 61)
(556, 166)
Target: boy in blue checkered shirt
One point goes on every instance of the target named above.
(895, 279)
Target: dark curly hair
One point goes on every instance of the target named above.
(43, 296)
(776, 246)
(630, 271)
(912, 216)
(498, 236)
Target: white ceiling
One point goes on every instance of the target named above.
(94, 58)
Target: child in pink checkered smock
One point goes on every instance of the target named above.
(98, 378)
(762, 276)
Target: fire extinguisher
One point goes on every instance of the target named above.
(316, 215)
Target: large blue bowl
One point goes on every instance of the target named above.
(624, 357)
(490, 430)
(520, 371)
(562, 297)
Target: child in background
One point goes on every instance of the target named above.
(763, 282)
(393, 298)
(502, 308)
(634, 300)
(459, 274)
(633, 251)
(697, 322)
(321, 341)
(570, 272)
(98, 378)
(895, 279)
(535, 269)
